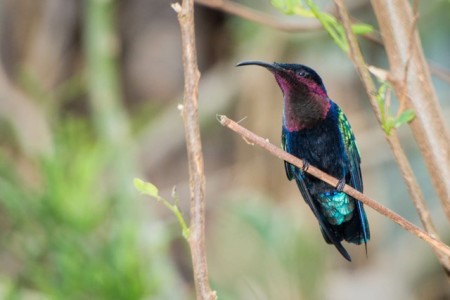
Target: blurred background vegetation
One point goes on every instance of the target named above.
(88, 100)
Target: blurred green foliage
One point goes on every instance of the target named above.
(62, 232)
(68, 218)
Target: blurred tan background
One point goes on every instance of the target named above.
(88, 101)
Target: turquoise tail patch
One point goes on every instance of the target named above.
(336, 207)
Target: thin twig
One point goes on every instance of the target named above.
(392, 138)
(438, 71)
(196, 239)
(253, 15)
(403, 85)
(435, 69)
(274, 150)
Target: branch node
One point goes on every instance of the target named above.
(223, 120)
(248, 142)
(379, 73)
(241, 120)
(176, 7)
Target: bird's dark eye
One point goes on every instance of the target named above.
(303, 74)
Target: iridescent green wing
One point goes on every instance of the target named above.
(351, 149)
(354, 168)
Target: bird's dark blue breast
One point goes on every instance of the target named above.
(322, 146)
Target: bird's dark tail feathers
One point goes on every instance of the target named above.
(331, 238)
(355, 231)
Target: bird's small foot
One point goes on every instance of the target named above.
(340, 185)
(305, 165)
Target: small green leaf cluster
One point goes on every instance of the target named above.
(388, 120)
(149, 189)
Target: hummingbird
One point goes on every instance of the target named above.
(316, 130)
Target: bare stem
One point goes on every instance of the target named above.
(253, 139)
(258, 17)
(392, 138)
(194, 149)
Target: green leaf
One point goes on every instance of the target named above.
(387, 122)
(405, 117)
(287, 6)
(150, 189)
(381, 94)
(388, 125)
(331, 25)
(146, 188)
(362, 28)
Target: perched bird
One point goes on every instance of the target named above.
(316, 130)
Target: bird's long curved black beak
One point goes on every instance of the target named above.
(271, 67)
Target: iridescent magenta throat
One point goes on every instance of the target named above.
(304, 102)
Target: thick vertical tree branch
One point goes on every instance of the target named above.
(194, 149)
(392, 138)
(254, 139)
(396, 19)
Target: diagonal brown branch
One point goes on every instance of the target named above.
(392, 138)
(249, 136)
(194, 149)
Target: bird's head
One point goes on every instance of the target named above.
(293, 79)
(305, 97)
